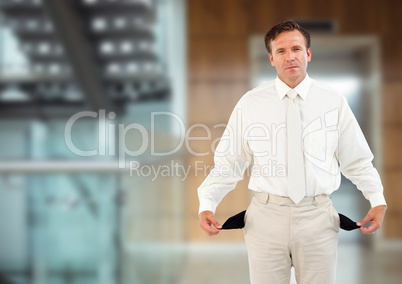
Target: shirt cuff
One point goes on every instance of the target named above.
(377, 199)
(206, 205)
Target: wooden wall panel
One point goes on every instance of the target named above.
(212, 102)
(390, 12)
(392, 109)
(392, 103)
(392, 149)
(218, 59)
(203, 150)
(392, 228)
(267, 13)
(217, 18)
(360, 16)
(236, 201)
(392, 58)
(394, 197)
(264, 15)
(392, 180)
(357, 17)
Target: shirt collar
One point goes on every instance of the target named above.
(282, 89)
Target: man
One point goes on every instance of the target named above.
(297, 135)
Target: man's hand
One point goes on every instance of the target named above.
(375, 216)
(209, 224)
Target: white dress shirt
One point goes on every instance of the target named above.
(255, 141)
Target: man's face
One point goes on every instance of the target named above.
(290, 57)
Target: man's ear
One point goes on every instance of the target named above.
(309, 54)
(271, 59)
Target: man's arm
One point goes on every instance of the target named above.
(355, 159)
(232, 156)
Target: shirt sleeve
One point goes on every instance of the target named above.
(355, 157)
(232, 157)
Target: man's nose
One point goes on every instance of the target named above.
(290, 56)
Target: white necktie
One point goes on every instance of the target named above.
(296, 176)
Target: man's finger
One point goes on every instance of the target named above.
(206, 226)
(369, 230)
(364, 221)
(216, 224)
(209, 224)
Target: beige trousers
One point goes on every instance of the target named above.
(280, 234)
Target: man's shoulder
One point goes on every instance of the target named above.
(325, 88)
(265, 89)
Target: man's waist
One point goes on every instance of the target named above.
(265, 198)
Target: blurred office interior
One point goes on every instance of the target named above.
(109, 113)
